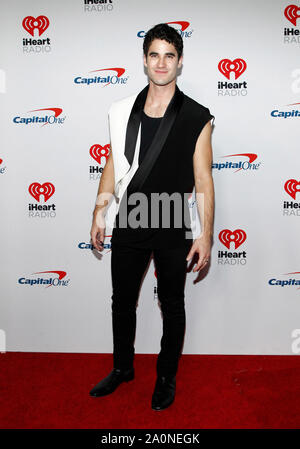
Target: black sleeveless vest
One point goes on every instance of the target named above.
(171, 172)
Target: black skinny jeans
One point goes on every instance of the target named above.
(128, 266)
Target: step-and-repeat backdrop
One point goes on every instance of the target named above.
(62, 65)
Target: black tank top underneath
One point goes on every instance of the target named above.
(149, 126)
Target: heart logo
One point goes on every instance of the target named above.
(36, 190)
(291, 187)
(99, 151)
(238, 237)
(226, 66)
(291, 13)
(30, 23)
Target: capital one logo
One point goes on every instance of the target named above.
(49, 282)
(40, 23)
(182, 30)
(247, 164)
(46, 119)
(61, 275)
(292, 13)
(98, 152)
(104, 78)
(292, 281)
(119, 70)
(237, 237)
(237, 66)
(36, 190)
(292, 186)
(183, 24)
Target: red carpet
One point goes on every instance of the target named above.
(50, 390)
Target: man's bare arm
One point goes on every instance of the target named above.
(204, 186)
(202, 162)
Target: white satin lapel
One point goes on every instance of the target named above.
(125, 180)
(119, 113)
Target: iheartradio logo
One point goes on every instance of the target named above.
(98, 5)
(237, 237)
(292, 13)
(228, 67)
(40, 23)
(36, 26)
(291, 35)
(36, 190)
(292, 186)
(100, 154)
(232, 238)
(237, 66)
(39, 191)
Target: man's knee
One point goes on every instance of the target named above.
(123, 303)
(172, 304)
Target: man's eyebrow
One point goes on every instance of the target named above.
(168, 53)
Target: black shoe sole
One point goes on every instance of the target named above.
(162, 408)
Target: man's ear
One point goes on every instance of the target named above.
(145, 60)
(180, 61)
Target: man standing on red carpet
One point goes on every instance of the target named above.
(160, 146)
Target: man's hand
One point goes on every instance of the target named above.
(98, 229)
(201, 246)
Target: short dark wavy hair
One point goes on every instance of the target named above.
(165, 32)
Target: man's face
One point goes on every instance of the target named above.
(162, 62)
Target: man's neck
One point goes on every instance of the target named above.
(160, 95)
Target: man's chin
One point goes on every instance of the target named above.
(161, 82)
